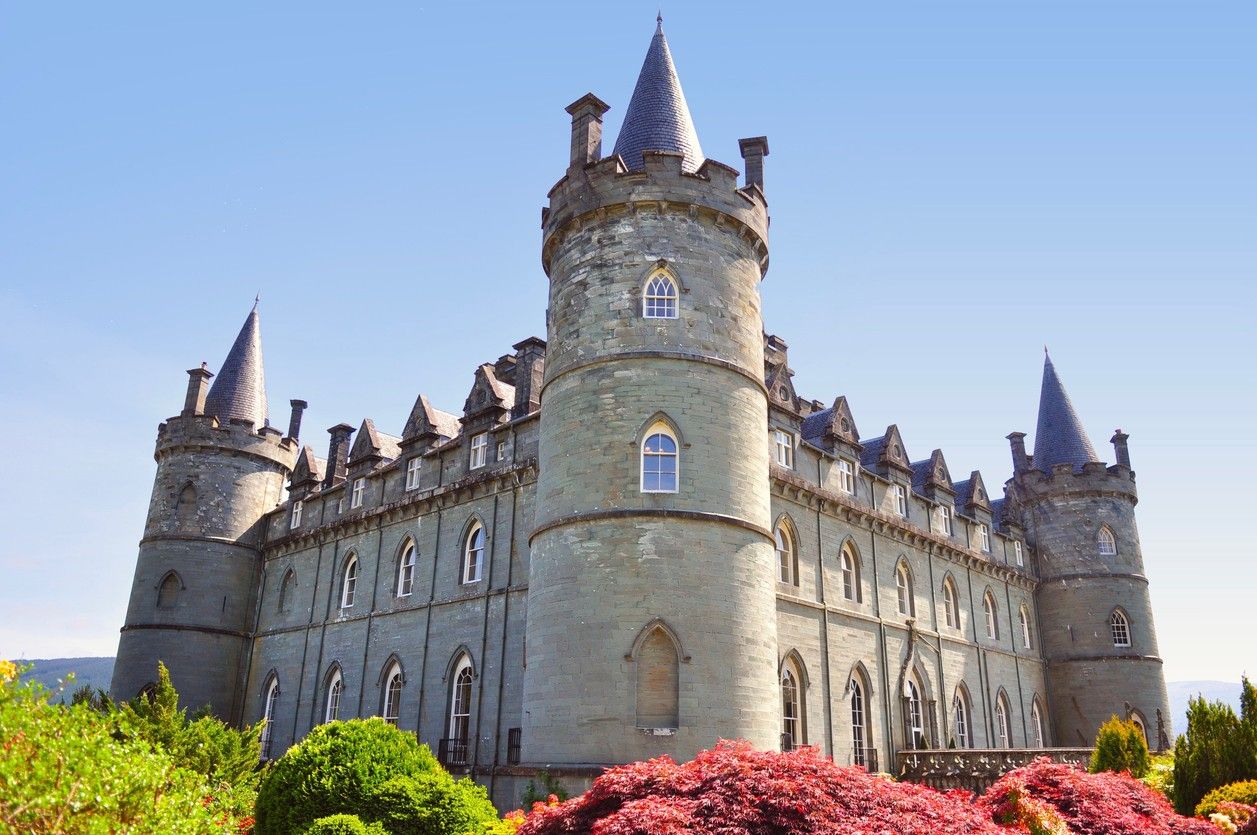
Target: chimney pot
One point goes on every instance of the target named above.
(587, 114)
(294, 420)
(754, 150)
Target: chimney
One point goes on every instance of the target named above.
(753, 152)
(294, 420)
(587, 129)
(198, 388)
(1017, 440)
(1120, 449)
(337, 454)
(530, 365)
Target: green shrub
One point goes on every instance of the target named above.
(1120, 746)
(1216, 749)
(1244, 792)
(343, 825)
(368, 768)
(1160, 776)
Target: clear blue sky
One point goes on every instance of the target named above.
(952, 185)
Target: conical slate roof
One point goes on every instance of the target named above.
(239, 390)
(1059, 437)
(658, 118)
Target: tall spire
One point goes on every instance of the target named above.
(239, 390)
(1059, 437)
(658, 119)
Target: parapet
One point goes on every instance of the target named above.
(1094, 477)
(607, 187)
(192, 433)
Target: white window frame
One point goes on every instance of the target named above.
(473, 553)
(1036, 723)
(915, 720)
(392, 705)
(460, 701)
(964, 728)
(660, 429)
(660, 305)
(992, 616)
(1019, 553)
(783, 448)
(406, 569)
(901, 499)
(859, 724)
(349, 583)
(413, 470)
(1026, 636)
(1003, 726)
(335, 688)
(791, 715)
(849, 566)
(501, 451)
(479, 451)
(340, 504)
(1119, 625)
(846, 477)
(1106, 542)
(298, 507)
(785, 554)
(984, 537)
(951, 604)
(359, 492)
(944, 520)
(904, 602)
(269, 704)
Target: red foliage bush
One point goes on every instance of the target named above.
(1091, 804)
(735, 790)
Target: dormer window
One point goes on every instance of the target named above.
(783, 449)
(479, 449)
(298, 507)
(984, 538)
(360, 489)
(846, 477)
(901, 500)
(412, 473)
(1018, 554)
(660, 299)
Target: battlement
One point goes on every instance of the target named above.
(1093, 477)
(606, 188)
(206, 433)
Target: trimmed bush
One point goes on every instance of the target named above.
(343, 825)
(1120, 746)
(1105, 803)
(368, 768)
(1243, 792)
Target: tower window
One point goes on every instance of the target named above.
(393, 694)
(1120, 626)
(349, 583)
(660, 299)
(786, 572)
(412, 473)
(659, 462)
(360, 489)
(783, 448)
(479, 449)
(406, 570)
(1106, 542)
(168, 591)
(846, 477)
(903, 590)
(984, 538)
(992, 615)
(473, 554)
(951, 605)
(658, 680)
(298, 507)
(901, 500)
(335, 688)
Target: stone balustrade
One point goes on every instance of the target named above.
(975, 769)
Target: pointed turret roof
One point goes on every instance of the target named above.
(1059, 437)
(658, 119)
(239, 390)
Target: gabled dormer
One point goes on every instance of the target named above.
(778, 378)
(489, 402)
(932, 479)
(428, 426)
(306, 474)
(371, 448)
(971, 496)
(887, 456)
(833, 429)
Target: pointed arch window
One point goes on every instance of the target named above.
(406, 569)
(859, 725)
(951, 604)
(850, 564)
(168, 591)
(659, 460)
(1003, 728)
(1106, 542)
(1036, 724)
(1139, 723)
(964, 727)
(1119, 624)
(286, 587)
(473, 553)
(1023, 617)
(349, 582)
(903, 590)
(791, 715)
(992, 615)
(335, 688)
(787, 555)
(914, 715)
(460, 711)
(393, 681)
(270, 708)
(185, 507)
(659, 301)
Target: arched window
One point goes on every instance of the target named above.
(185, 507)
(1023, 616)
(791, 716)
(850, 563)
(335, 687)
(460, 712)
(951, 604)
(659, 460)
(1106, 542)
(1120, 626)
(903, 590)
(168, 591)
(992, 615)
(859, 724)
(964, 729)
(659, 301)
(787, 557)
(393, 693)
(1003, 728)
(406, 569)
(473, 553)
(286, 587)
(1036, 724)
(349, 583)
(270, 705)
(914, 715)
(658, 680)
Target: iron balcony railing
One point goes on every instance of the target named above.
(513, 746)
(452, 751)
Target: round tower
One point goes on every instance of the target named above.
(1097, 631)
(220, 468)
(651, 611)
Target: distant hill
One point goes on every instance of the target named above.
(1214, 691)
(51, 672)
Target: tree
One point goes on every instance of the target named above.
(1216, 749)
(1120, 746)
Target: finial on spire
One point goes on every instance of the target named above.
(659, 17)
(257, 299)
(1045, 351)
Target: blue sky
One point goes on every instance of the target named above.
(952, 185)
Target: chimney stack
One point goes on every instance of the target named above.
(1017, 440)
(753, 152)
(198, 389)
(338, 454)
(587, 129)
(294, 420)
(1120, 449)
(530, 366)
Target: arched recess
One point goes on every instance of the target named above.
(849, 566)
(270, 709)
(287, 587)
(1038, 723)
(990, 614)
(962, 717)
(169, 590)
(951, 602)
(391, 681)
(1141, 722)
(661, 293)
(656, 655)
(786, 536)
(473, 549)
(905, 593)
(1002, 720)
(185, 507)
(1106, 542)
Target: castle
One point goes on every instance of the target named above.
(637, 538)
